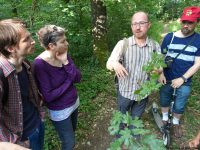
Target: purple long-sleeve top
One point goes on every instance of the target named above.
(57, 83)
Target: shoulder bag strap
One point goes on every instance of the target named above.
(186, 46)
(124, 48)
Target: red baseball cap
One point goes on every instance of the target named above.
(191, 13)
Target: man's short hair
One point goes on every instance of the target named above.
(9, 36)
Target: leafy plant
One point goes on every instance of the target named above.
(126, 129)
(152, 69)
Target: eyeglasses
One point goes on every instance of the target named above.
(141, 24)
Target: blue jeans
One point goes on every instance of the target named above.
(136, 108)
(36, 139)
(66, 130)
(182, 94)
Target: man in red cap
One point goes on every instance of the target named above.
(183, 48)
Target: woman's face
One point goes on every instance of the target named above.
(61, 45)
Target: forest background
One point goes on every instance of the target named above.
(93, 28)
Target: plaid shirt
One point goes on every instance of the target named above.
(11, 114)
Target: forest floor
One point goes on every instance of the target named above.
(99, 138)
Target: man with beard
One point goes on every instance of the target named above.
(136, 52)
(183, 47)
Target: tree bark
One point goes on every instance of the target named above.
(100, 46)
(14, 9)
(33, 9)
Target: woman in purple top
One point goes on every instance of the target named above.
(56, 74)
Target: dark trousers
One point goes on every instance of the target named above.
(36, 139)
(136, 108)
(66, 130)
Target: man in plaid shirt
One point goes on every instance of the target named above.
(21, 113)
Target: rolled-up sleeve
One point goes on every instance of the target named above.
(115, 55)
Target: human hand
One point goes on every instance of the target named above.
(162, 79)
(62, 57)
(120, 70)
(176, 83)
(195, 142)
(42, 115)
(13, 138)
(11, 146)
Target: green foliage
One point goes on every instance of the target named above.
(94, 81)
(122, 124)
(119, 13)
(51, 139)
(74, 16)
(173, 26)
(157, 62)
(194, 101)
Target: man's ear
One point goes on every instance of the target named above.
(10, 49)
(149, 25)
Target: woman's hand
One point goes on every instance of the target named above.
(62, 57)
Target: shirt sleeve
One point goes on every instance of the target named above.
(73, 72)
(165, 43)
(115, 55)
(5, 134)
(157, 47)
(198, 45)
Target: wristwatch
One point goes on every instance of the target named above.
(184, 79)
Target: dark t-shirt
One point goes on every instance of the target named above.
(31, 119)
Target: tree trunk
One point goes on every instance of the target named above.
(33, 9)
(14, 9)
(100, 46)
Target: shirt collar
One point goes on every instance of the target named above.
(8, 68)
(148, 41)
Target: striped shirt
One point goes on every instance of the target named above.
(134, 59)
(172, 45)
(11, 114)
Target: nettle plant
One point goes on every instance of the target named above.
(151, 68)
(125, 137)
(122, 124)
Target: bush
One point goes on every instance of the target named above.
(147, 140)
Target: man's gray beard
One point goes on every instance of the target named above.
(185, 31)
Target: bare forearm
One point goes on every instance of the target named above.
(192, 71)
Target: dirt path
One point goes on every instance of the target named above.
(99, 138)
